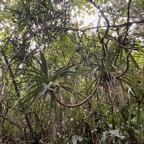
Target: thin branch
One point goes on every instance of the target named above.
(10, 70)
(29, 126)
(79, 104)
(128, 18)
(80, 30)
(107, 21)
(127, 67)
(59, 28)
(107, 28)
(13, 123)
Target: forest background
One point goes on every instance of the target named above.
(66, 82)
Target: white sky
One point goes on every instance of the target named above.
(88, 19)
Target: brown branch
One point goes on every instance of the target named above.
(11, 73)
(127, 26)
(81, 30)
(29, 126)
(13, 123)
(129, 23)
(107, 28)
(127, 67)
(59, 28)
(74, 105)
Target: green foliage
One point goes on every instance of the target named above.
(64, 82)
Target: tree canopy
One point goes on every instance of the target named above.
(64, 81)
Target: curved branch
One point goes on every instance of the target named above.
(74, 105)
(80, 30)
(127, 67)
(107, 27)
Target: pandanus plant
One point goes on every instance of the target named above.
(40, 81)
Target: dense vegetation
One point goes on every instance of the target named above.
(65, 82)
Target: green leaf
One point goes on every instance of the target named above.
(44, 66)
